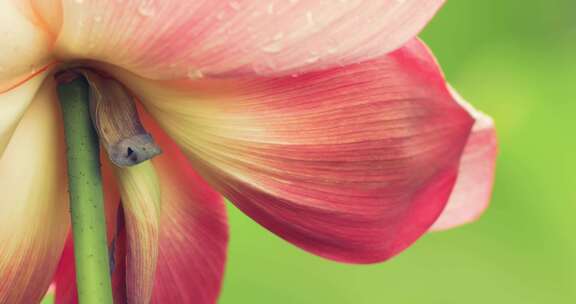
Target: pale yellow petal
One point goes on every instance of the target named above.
(26, 45)
(13, 104)
(140, 192)
(33, 203)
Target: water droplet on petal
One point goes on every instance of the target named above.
(235, 5)
(311, 22)
(195, 74)
(147, 8)
(273, 47)
(314, 57)
(264, 67)
(332, 50)
(270, 8)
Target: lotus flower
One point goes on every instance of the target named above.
(327, 122)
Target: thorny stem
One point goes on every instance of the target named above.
(86, 196)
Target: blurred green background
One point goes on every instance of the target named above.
(515, 60)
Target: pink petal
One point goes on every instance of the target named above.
(194, 231)
(176, 39)
(473, 189)
(65, 276)
(353, 163)
(33, 207)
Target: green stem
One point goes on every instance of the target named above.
(86, 197)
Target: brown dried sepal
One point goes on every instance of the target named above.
(116, 120)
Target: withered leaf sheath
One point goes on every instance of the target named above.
(116, 120)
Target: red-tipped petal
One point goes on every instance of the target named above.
(33, 207)
(65, 277)
(194, 231)
(179, 39)
(353, 163)
(473, 189)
